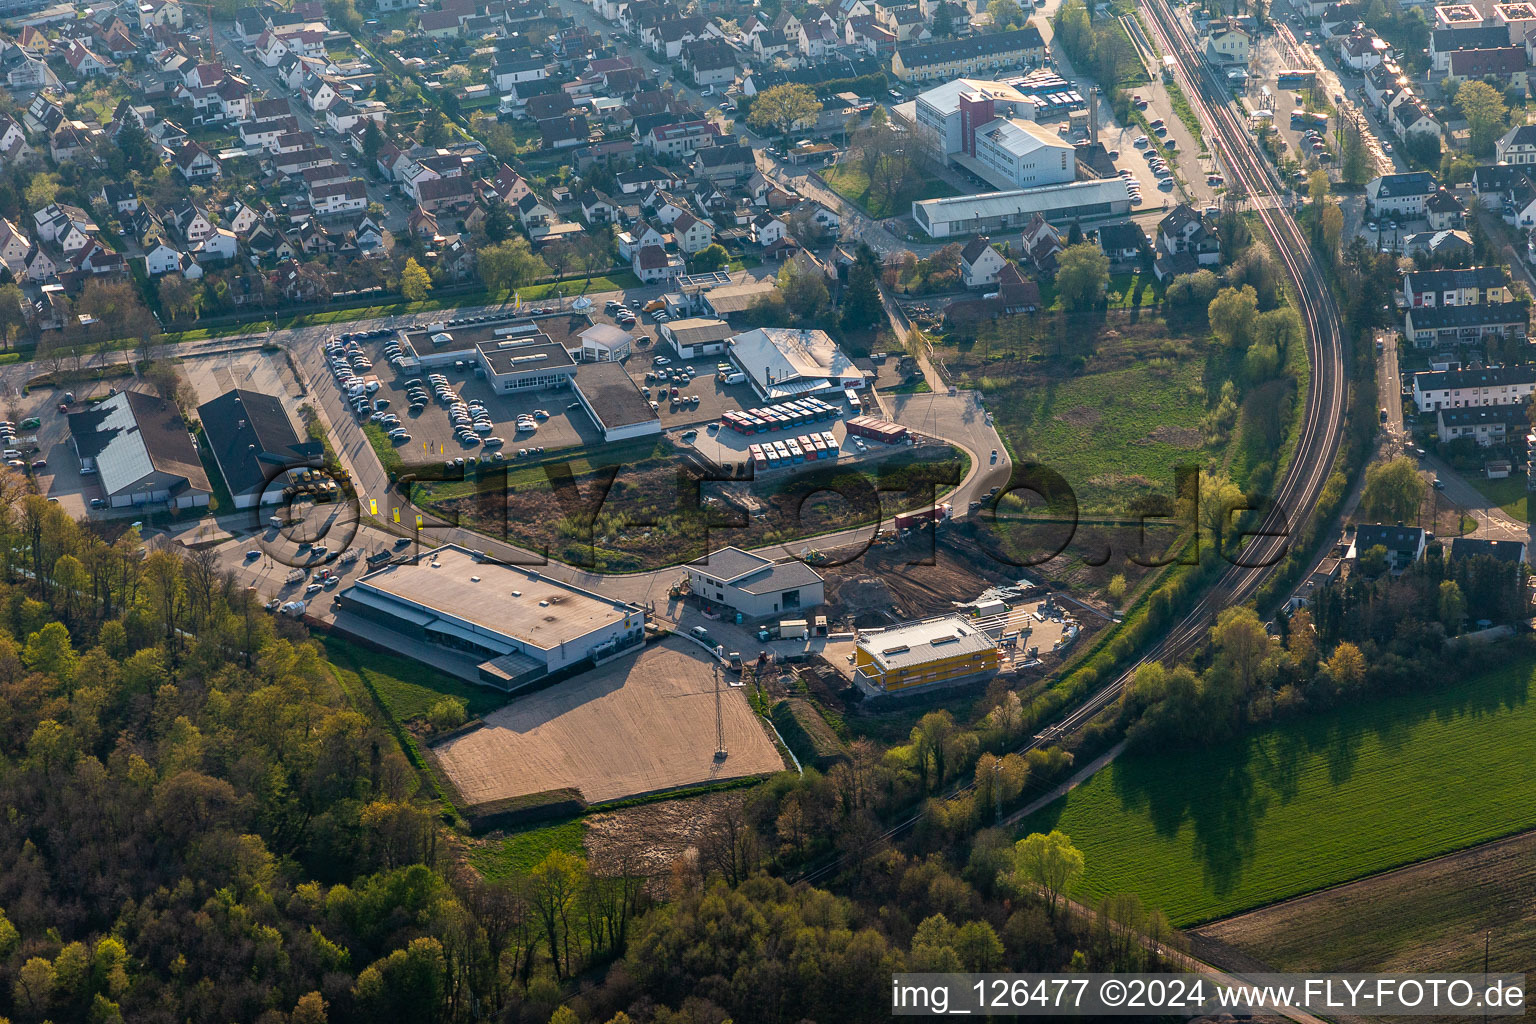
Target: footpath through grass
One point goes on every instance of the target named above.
(1309, 803)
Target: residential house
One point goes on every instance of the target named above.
(724, 162)
(1400, 195)
(1505, 64)
(162, 259)
(1040, 244)
(1437, 326)
(1412, 116)
(14, 247)
(980, 263)
(1517, 146)
(948, 59)
(194, 164)
(1488, 425)
(438, 195)
(680, 138)
(534, 213)
(651, 264)
(85, 62)
(1404, 545)
(768, 230)
(1122, 243)
(692, 234)
(710, 63)
(598, 208)
(188, 223)
(1444, 211)
(1227, 42)
(68, 227)
(1456, 389)
(13, 141)
(120, 199)
(1466, 287)
(340, 197)
(1445, 41)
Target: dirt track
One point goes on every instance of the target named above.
(640, 725)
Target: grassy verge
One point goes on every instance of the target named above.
(1509, 494)
(1185, 112)
(1309, 803)
(384, 448)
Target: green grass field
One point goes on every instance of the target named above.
(1309, 803)
(853, 184)
(520, 852)
(1113, 435)
(1509, 494)
(406, 688)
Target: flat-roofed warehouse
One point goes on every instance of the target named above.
(142, 450)
(936, 650)
(524, 624)
(254, 443)
(992, 212)
(611, 398)
(753, 585)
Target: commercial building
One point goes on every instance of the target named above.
(141, 449)
(782, 363)
(523, 624)
(755, 586)
(1015, 153)
(1458, 389)
(992, 213)
(957, 58)
(609, 395)
(937, 650)
(518, 355)
(696, 336)
(990, 129)
(254, 444)
(605, 343)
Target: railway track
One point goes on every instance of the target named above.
(1323, 418)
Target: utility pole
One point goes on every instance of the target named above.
(720, 752)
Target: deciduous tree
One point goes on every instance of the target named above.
(1082, 276)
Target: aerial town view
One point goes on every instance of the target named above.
(766, 511)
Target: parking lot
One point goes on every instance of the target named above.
(715, 398)
(430, 427)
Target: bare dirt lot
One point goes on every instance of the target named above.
(1425, 917)
(640, 725)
